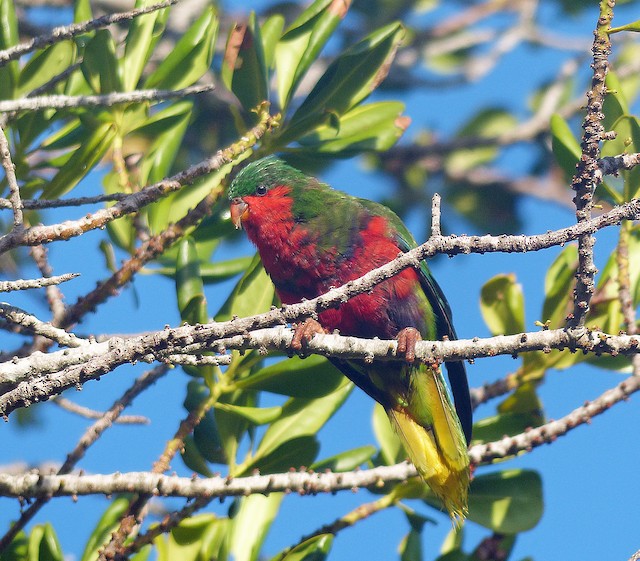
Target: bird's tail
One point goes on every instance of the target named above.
(430, 431)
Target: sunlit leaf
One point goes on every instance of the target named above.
(375, 126)
(244, 70)
(348, 81)
(253, 294)
(502, 305)
(81, 162)
(316, 548)
(251, 524)
(144, 32)
(346, 461)
(8, 38)
(565, 146)
(311, 377)
(391, 450)
(192, 302)
(46, 64)
(100, 63)
(302, 43)
(106, 525)
(558, 285)
(507, 501)
(191, 56)
(302, 417)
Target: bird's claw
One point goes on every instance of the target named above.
(407, 339)
(304, 332)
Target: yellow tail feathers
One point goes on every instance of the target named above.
(435, 444)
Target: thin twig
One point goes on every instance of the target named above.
(87, 413)
(89, 437)
(31, 322)
(31, 485)
(14, 188)
(28, 284)
(104, 100)
(70, 31)
(36, 235)
(38, 204)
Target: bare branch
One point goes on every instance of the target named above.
(20, 317)
(585, 179)
(69, 31)
(14, 189)
(37, 204)
(36, 235)
(105, 100)
(90, 436)
(8, 286)
(303, 482)
(87, 413)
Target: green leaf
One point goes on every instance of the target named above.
(302, 43)
(346, 461)
(271, 31)
(502, 305)
(565, 146)
(391, 450)
(558, 287)
(44, 65)
(44, 545)
(256, 415)
(191, 57)
(251, 524)
(348, 81)
(311, 377)
(244, 70)
(316, 548)
(487, 123)
(193, 457)
(633, 26)
(411, 546)
(301, 417)
(165, 129)
(100, 64)
(192, 302)
(195, 539)
(507, 501)
(8, 38)
(253, 294)
(375, 126)
(144, 33)
(210, 272)
(295, 453)
(82, 11)
(81, 162)
(108, 522)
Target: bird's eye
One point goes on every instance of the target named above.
(261, 190)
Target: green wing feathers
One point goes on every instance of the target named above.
(432, 436)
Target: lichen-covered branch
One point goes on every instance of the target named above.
(303, 482)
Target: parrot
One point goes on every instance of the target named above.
(311, 238)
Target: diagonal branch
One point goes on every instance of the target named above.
(36, 235)
(70, 31)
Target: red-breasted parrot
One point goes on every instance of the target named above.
(312, 238)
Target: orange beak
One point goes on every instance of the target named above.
(239, 211)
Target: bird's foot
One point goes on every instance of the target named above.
(407, 339)
(304, 332)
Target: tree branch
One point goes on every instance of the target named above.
(9, 286)
(36, 235)
(105, 100)
(70, 31)
(32, 485)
